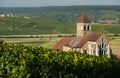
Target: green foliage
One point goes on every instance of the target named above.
(1, 41)
(19, 61)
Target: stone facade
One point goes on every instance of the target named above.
(83, 28)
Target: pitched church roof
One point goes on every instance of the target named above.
(62, 42)
(83, 19)
(78, 42)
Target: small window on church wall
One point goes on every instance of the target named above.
(102, 45)
(85, 52)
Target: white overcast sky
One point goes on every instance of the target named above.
(39, 3)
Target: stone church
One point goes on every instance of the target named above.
(86, 41)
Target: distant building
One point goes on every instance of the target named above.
(27, 17)
(86, 41)
(116, 21)
(7, 15)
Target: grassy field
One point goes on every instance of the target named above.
(32, 41)
(106, 28)
(114, 42)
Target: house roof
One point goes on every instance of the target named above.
(83, 19)
(62, 42)
(78, 42)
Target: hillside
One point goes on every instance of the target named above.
(52, 20)
(10, 26)
(67, 13)
(31, 26)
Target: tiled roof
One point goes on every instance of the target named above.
(78, 42)
(84, 19)
(62, 42)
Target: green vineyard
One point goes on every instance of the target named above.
(19, 61)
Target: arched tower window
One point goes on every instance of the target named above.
(88, 28)
(84, 27)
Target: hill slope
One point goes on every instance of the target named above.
(32, 26)
(67, 13)
(15, 26)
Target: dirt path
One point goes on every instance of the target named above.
(26, 39)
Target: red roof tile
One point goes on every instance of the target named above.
(62, 42)
(84, 19)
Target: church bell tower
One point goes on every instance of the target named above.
(83, 25)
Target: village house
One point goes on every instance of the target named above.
(86, 41)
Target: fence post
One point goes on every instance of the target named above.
(76, 77)
(60, 76)
(43, 72)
